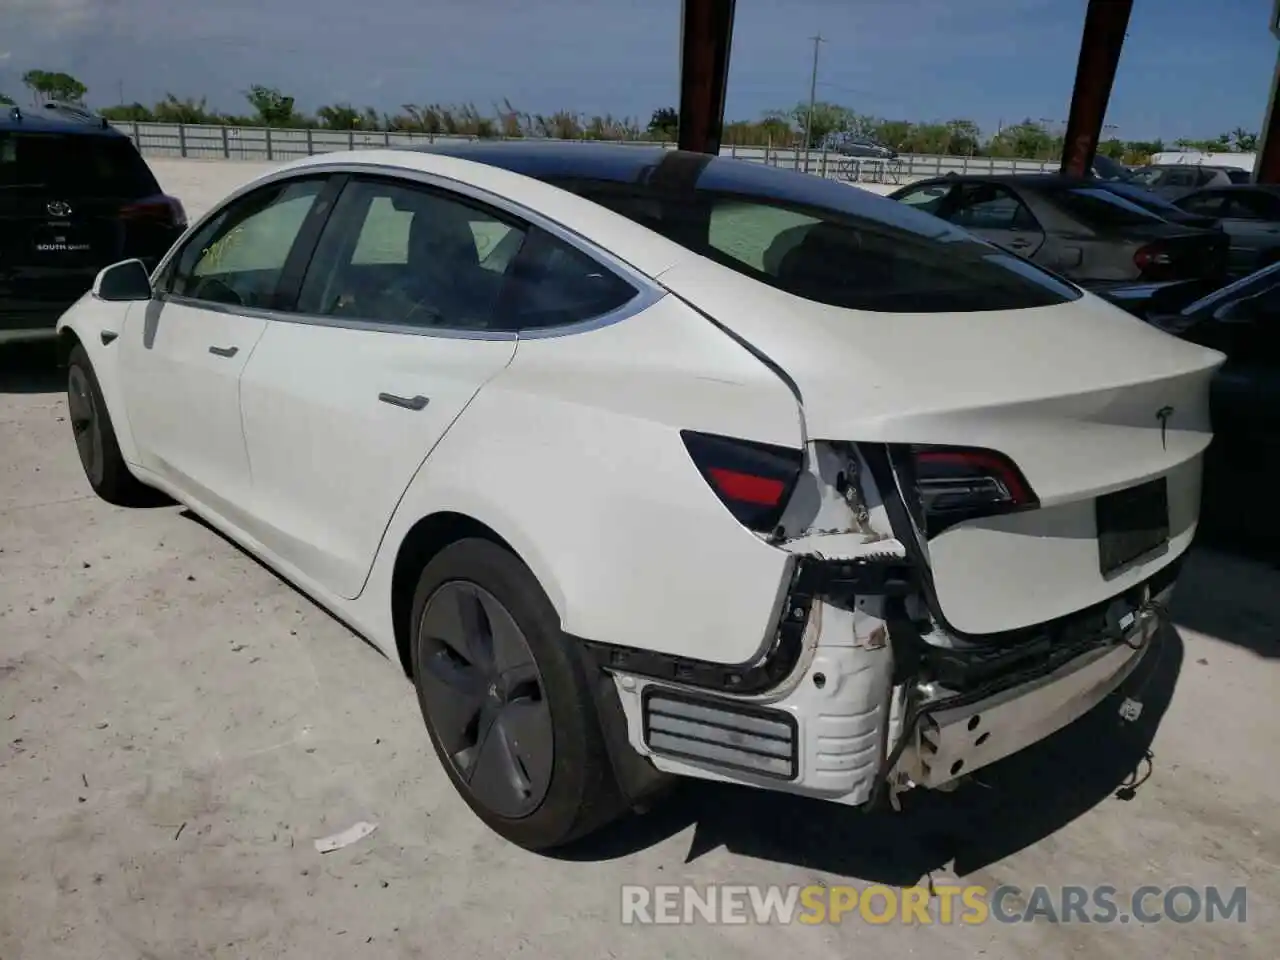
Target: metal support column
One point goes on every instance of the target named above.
(1267, 167)
(706, 31)
(1104, 27)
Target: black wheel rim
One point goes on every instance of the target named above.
(484, 699)
(83, 413)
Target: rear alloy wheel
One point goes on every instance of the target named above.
(506, 699)
(95, 437)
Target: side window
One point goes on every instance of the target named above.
(238, 256)
(553, 284)
(991, 207)
(396, 253)
(927, 199)
(1203, 204)
(1181, 177)
(1250, 205)
(401, 254)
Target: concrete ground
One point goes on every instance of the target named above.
(177, 726)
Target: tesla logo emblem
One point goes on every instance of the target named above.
(59, 208)
(1163, 415)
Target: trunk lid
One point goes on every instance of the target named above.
(1071, 393)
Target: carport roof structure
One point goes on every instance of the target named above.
(707, 30)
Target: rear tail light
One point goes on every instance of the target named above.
(754, 480)
(965, 483)
(1153, 258)
(160, 209)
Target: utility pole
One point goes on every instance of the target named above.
(120, 86)
(813, 96)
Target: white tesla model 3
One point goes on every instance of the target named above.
(648, 464)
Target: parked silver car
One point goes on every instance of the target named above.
(1175, 179)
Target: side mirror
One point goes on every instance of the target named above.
(124, 281)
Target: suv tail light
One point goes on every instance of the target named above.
(754, 480)
(964, 483)
(160, 209)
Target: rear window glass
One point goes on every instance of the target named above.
(1101, 208)
(74, 165)
(858, 252)
(1145, 199)
(1238, 176)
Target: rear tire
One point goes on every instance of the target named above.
(100, 456)
(506, 699)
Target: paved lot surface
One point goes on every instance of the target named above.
(177, 726)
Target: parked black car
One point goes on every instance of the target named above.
(1078, 228)
(1250, 216)
(1243, 321)
(1160, 205)
(75, 196)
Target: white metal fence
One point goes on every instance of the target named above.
(208, 142)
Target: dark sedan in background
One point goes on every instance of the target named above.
(1250, 216)
(1243, 321)
(1078, 228)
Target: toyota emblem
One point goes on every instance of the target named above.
(59, 208)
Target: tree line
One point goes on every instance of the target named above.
(268, 106)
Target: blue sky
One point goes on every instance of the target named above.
(1190, 68)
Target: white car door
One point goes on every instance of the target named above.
(183, 352)
(391, 337)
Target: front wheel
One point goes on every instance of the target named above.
(506, 699)
(100, 456)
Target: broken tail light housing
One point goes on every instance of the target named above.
(965, 483)
(753, 480)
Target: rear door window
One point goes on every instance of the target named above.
(991, 207)
(74, 165)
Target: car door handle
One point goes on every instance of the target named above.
(1019, 244)
(409, 403)
(224, 351)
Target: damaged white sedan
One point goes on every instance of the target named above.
(645, 463)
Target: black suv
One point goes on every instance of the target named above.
(75, 196)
